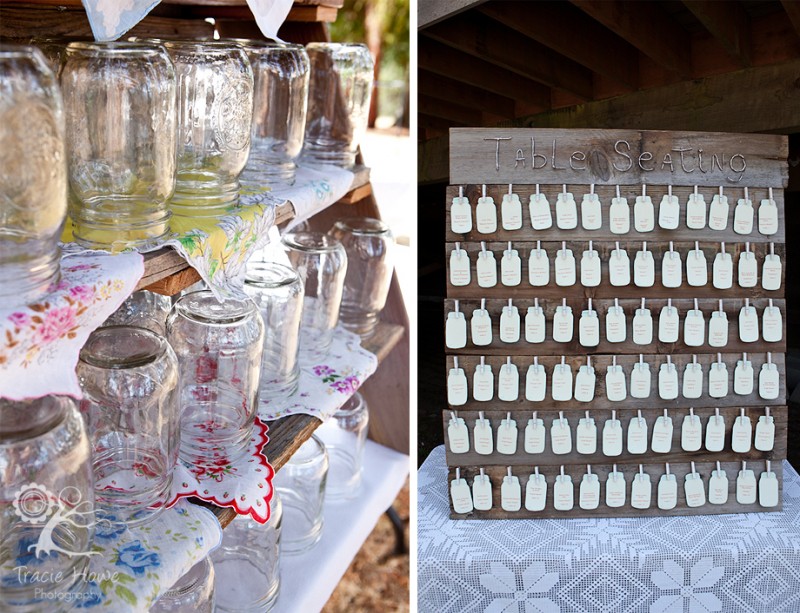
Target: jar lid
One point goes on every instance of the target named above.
(203, 307)
(121, 347)
(270, 275)
(313, 242)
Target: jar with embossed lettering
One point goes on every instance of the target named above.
(215, 110)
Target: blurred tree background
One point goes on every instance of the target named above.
(384, 26)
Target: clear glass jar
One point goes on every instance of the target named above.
(215, 111)
(219, 347)
(192, 593)
(278, 293)
(47, 510)
(54, 50)
(128, 376)
(248, 563)
(338, 102)
(120, 108)
(33, 175)
(301, 486)
(280, 97)
(345, 435)
(143, 309)
(370, 262)
(321, 262)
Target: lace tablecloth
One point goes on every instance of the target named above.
(743, 563)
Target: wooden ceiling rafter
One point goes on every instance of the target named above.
(727, 22)
(456, 92)
(792, 8)
(448, 110)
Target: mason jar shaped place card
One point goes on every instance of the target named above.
(667, 496)
(691, 432)
(748, 323)
(696, 211)
(566, 211)
(482, 436)
(510, 267)
(563, 492)
(539, 207)
(565, 267)
(460, 494)
(747, 268)
(642, 325)
(743, 215)
(615, 382)
(768, 216)
(511, 211)
(538, 266)
(694, 490)
(718, 328)
(696, 267)
(616, 326)
(715, 432)
(641, 490)
(619, 215)
(460, 274)
(486, 214)
(619, 268)
(668, 380)
(694, 327)
(772, 324)
(535, 435)
(591, 213)
(692, 380)
(461, 214)
(765, 432)
(643, 212)
(536, 492)
(482, 492)
(456, 385)
(560, 435)
(742, 435)
(671, 268)
(772, 271)
(662, 434)
(586, 435)
(589, 492)
(718, 212)
(718, 486)
(508, 382)
(769, 380)
(509, 324)
(483, 382)
(481, 326)
(615, 489)
(637, 435)
(486, 267)
(457, 434)
(507, 436)
(510, 493)
(612, 436)
(768, 488)
(535, 323)
(669, 211)
(743, 377)
(535, 382)
(585, 382)
(641, 379)
(563, 323)
(718, 378)
(455, 331)
(722, 275)
(591, 275)
(644, 268)
(746, 489)
(589, 327)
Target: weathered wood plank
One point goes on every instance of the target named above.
(431, 12)
(617, 157)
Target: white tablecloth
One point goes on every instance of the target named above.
(727, 563)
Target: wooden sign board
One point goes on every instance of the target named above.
(528, 161)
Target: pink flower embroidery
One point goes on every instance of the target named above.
(323, 370)
(348, 385)
(19, 319)
(78, 267)
(82, 292)
(57, 323)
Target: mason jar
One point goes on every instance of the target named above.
(192, 593)
(143, 309)
(47, 520)
(345, 435)
(33, 175)
(338, 102)
(121, 131)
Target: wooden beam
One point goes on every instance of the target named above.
(792, 8)
(488, 40)
(446, 110)
(569, 32)
(433, 160)
(448, 62)
(646, 26)
(749, 100)
(437, 123)
(430, 12)
(727, 21)
(470, 96)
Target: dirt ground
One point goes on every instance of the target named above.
(377, 580)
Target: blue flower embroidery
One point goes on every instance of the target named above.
(91, 597)
(135, 557)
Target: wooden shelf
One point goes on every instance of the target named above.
(167, 273)
(286, 435)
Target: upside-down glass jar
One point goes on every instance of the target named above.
(121, 137)
(192, 593)
(370, 262)
(128, 376)
(144, 309)
(215, 111)
(33, 175)
(280, 73)
(219, 347)
(345, 435)
(47, 520)
(338, 102)
(321, 262)
(277, 291)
